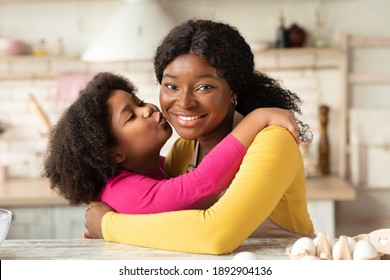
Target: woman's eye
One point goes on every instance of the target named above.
(171, 87)
(204, 88)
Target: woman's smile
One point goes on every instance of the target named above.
(189, 119)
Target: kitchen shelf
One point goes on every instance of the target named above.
(266, 60)
(298, 51)
(297, 58)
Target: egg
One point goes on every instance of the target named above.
(303, 246)
(245, 256)
(364, 250)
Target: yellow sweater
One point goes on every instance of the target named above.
(270, 183)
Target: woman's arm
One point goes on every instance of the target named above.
(134, 193)
(269, 168)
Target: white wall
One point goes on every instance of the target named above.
(78, 22)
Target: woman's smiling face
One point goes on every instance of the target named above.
(195, 99)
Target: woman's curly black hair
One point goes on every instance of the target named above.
(227, 51)
(79, 158)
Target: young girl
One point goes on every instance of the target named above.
(107, 146)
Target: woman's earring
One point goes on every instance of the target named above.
(235, 102)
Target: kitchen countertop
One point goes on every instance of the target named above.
(329, 188)
(98, 249)
(28, 192)
(36, 192)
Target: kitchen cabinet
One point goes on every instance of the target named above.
(38, 212)
(47, 222)
(364, 156)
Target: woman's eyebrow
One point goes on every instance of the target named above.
(212, 76)
(202, 76)
(169, 76)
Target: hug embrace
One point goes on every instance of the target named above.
(236, 170)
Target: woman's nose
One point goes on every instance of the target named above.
(185, 100)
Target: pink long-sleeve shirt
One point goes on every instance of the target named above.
(134, 193)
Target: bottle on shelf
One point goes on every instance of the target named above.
(321, 34)
(40, 48)
(281, 33)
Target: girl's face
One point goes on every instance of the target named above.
(139, 128)
(195, 99)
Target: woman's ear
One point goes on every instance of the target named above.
(233, 99)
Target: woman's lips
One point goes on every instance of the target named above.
(188, 120)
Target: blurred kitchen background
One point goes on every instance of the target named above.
(49, 49)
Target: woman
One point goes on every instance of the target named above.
(207, 76)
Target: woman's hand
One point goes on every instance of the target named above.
(93, 219)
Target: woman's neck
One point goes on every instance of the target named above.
(207, 143)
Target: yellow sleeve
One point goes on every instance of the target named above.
(179, 157)
(268, 170)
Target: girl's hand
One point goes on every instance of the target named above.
(283, 118)
(259, 119)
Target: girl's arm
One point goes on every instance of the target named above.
(134, 193)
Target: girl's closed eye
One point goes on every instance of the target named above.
(132, 115)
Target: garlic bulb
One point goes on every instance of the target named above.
(330, 240)
(364, 250)
(372, 246)
(341, 249)
(324, 245)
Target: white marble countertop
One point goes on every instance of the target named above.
(95, 249)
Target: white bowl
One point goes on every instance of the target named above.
(5, 222)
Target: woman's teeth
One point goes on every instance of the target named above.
(184, 118)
